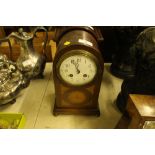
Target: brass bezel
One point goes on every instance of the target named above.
(72, 53)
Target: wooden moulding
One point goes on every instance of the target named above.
(37, 43)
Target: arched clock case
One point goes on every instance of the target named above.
(77, 72)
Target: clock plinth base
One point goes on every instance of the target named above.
(76, 111)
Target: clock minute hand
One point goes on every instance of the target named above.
(77, 69)
(76, 66)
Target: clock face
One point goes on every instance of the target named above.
(78, 69)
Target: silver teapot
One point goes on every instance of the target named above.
(11, 80)
(30, 62)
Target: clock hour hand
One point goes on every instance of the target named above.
(77, 69)
(76, 66)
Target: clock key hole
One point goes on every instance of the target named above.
(84, 75)
(70, 75)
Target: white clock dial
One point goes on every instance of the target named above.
(78, 69)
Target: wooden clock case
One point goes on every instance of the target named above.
(82, 99)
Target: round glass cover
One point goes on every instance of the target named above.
(78, 69)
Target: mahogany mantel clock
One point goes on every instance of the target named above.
(77, 71)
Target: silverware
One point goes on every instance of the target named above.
(12, 81)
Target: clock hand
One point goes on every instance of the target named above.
(77, 69)
(76, 66)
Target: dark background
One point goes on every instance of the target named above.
(117, 39)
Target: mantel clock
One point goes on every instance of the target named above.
(77, 71)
